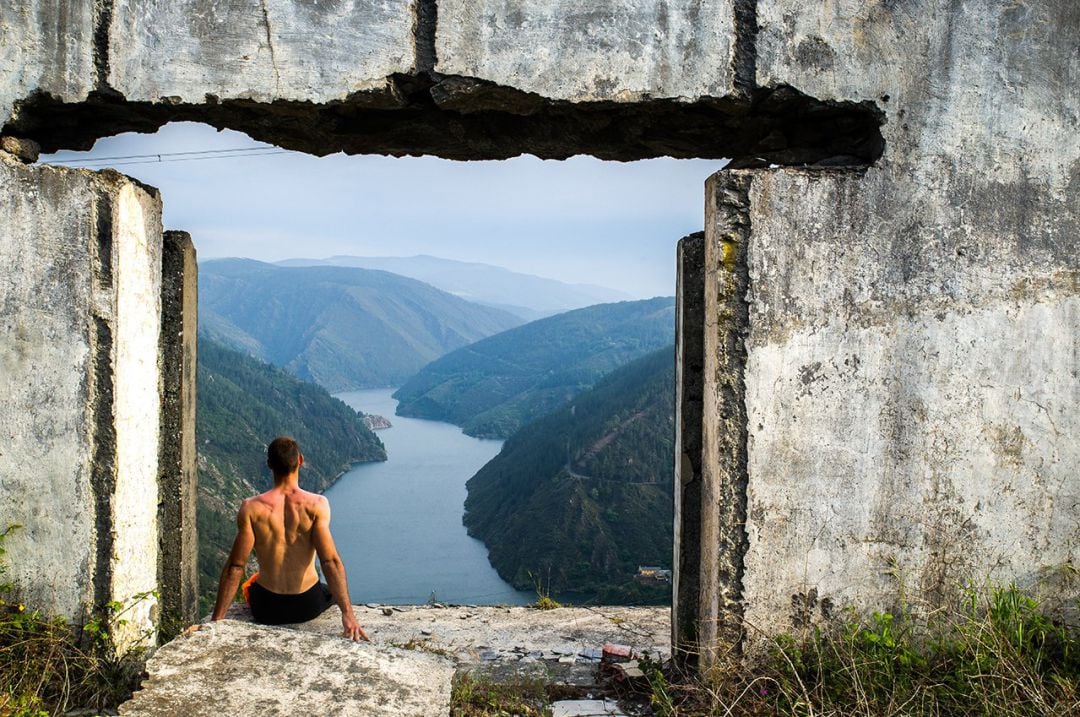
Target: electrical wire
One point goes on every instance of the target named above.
(164, 158)
(157, 156)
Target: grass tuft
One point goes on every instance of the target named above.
(993, 652)
(475, 695)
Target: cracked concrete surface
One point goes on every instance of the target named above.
(237, 667)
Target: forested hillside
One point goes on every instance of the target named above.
(494, 386)
(343, 328)
(242, 404)
(577, 500)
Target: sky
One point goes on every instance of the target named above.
(579, 220)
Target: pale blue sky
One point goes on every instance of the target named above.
(578, 220)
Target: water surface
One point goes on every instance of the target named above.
(398, 524)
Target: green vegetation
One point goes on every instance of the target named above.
(544, 601)
(340, 327)
(495, 386)
(48, 666)
(478, 695)
(995, 652)
(583, 496)
(242, 404)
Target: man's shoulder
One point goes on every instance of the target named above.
(255, 503)
(317, 499)
(307, 498)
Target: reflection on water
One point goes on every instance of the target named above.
(398, 524)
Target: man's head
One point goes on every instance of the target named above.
(283, 456)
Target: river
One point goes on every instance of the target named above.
(398, 523)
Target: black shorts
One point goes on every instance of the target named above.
(272, 608)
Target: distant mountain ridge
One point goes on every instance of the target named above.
(344, 328)
(579, 499)
(531, 297)
(494, 386)
(242, 404)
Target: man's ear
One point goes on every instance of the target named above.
(301, 461)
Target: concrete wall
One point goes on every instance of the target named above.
(585, 50)
(80, 253)
(912, 333)
(621, 79)
(261, 50)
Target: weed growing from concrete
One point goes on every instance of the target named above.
(474, 695)
(48, 666)
(544, 601)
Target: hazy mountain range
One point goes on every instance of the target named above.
(494, 386)
(530, 297)
(341, 327)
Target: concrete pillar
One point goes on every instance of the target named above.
(179, 577)
(80, 322)
(689, 357)
(710, 471)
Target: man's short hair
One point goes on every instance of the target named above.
(283, 456)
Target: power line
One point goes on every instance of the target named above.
(183, 159)
(157, 156)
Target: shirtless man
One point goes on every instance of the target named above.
(287, 527)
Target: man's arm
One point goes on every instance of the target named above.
(233, 572)
(334, 570)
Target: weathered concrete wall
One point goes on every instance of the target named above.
(913, 328)
(262, 50)
(81, 258)
(911, 389)
(622, 79)
(45, 47)
(585, 50)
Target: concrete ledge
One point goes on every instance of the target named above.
(236, 668)
(472, 634)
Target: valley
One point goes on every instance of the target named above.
(572, 504)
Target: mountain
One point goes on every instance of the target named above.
(493, 387)
(242, 404)
(578, 500)
(342, 328)
(530, 297)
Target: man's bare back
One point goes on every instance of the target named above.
(287, 527)
(282, 522)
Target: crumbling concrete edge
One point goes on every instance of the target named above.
(178, 478)
(689, 368)
(724, 429)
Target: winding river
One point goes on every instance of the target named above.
(398, 524)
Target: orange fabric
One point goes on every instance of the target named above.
(246, 587)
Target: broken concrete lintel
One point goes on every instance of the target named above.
(467, 119)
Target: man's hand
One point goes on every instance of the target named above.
(353, 631)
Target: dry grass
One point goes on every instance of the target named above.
(48, 667)
(993, 652)
(479, 696)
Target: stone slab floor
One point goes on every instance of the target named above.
(237, 667)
